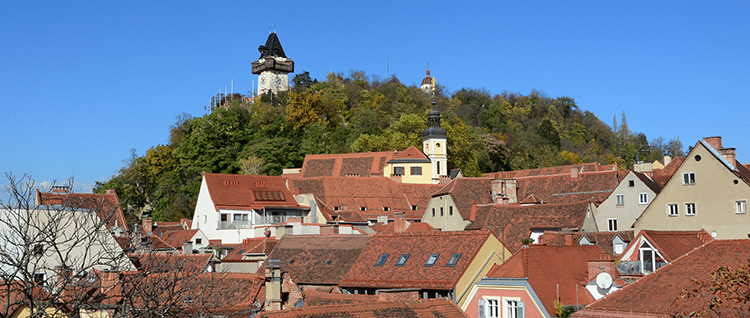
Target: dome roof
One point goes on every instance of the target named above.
(434, 130)
(428, 80)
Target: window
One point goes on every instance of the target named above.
(688, 178)
(433, 212)
(40, 278)
(416, 171)
(386, 208)
(620, 199)
(618, 248)
(453, 260)
(238, 217)
(441, 211)
(741, 206)
(413, 207)
(402, 259)
(450, 210)
(672, 209)
(198, 241)
(631, 183)
(399, 171)
(438, 167)
(493, 308)
(382, 259)
(612, 225)
(643, 198)
(224, 217)
(431, 260)
(514, 308)
(362, 208)
(38, 249)
(689, 208)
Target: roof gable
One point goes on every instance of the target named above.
(347, 164)
(419, 246)
(466, 192)
(247, 192)
(106, 205)
(551, 271)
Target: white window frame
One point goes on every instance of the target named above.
(673, 209)
(493, 307)
(612, 225)
(513, 307)
(740, 206)
(620, 199)
(688, 178)
(643, 198)
(690, 208)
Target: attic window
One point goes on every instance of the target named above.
(269, 196)
(386, 208)
(413, 207)
(631, 183)
(382, 259)
(697, 157)
(402, 260)
(431, 260)
(363, 208)
(336, 208)
(453, 260)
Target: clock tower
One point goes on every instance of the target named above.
(272, 67)
(435, 145)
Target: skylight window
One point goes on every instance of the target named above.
(291, 262)
(240, 251)
(328, 262)
(382, 259)
(431, 260)
(402, 260)
(453, 260)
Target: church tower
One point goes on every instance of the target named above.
(272, 67)
(428, 83)
(434, 143)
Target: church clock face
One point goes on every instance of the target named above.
(278, 81)
(263, 82)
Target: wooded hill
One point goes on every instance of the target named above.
(357, 113)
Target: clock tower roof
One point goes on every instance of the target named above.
(434, 130)
(272, 48)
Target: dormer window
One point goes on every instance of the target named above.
(432, 260)
(453, 260)
(402, 260)
(363, 208)
(382, 259)
(413, 207)
(386, 208)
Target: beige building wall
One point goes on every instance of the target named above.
(715, 194)
(424, 178)
(442, 213)
(625, 209)
(491, 253)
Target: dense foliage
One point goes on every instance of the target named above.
(356, 113)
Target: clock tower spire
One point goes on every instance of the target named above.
(272, 67)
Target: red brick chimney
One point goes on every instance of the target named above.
(574, 172)
(504, 191)
(569, 241)
(148, 225)
(602, 265)
(714, 142)
(400, 224)
(729, 154)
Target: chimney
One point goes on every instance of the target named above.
(729, 154)
(599, 266)
(148, 226)
(187, 247)
(569, 239)
(714, 142)
(273, 285)
(504, 191)
(667, 159)
(383, 219)
(111, 191)
(574, 172)
(400, 224)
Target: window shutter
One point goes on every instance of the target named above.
(521, 309)
(481, 308)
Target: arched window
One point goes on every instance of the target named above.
(438, 168)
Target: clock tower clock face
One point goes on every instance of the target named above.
(263, 83)
(278, 82)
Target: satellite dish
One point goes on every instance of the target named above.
(603, 281)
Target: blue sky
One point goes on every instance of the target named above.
(82, 83)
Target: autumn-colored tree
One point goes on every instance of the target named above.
(725, 294)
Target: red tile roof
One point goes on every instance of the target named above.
(170, 262)
(552, 171)
(651, 184)
(656, 293)
(348, 164)
(512, 223)
(662, 176)
(316, 259)
(414, 273)
(177, 239)
(673, 244)
(441, 307)
(551, 270)
(246, 192)
(250, 246)
(316, 298)
(601, 239)
(466, 192)
(107, 205)
(351, 195)
(564, 189)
